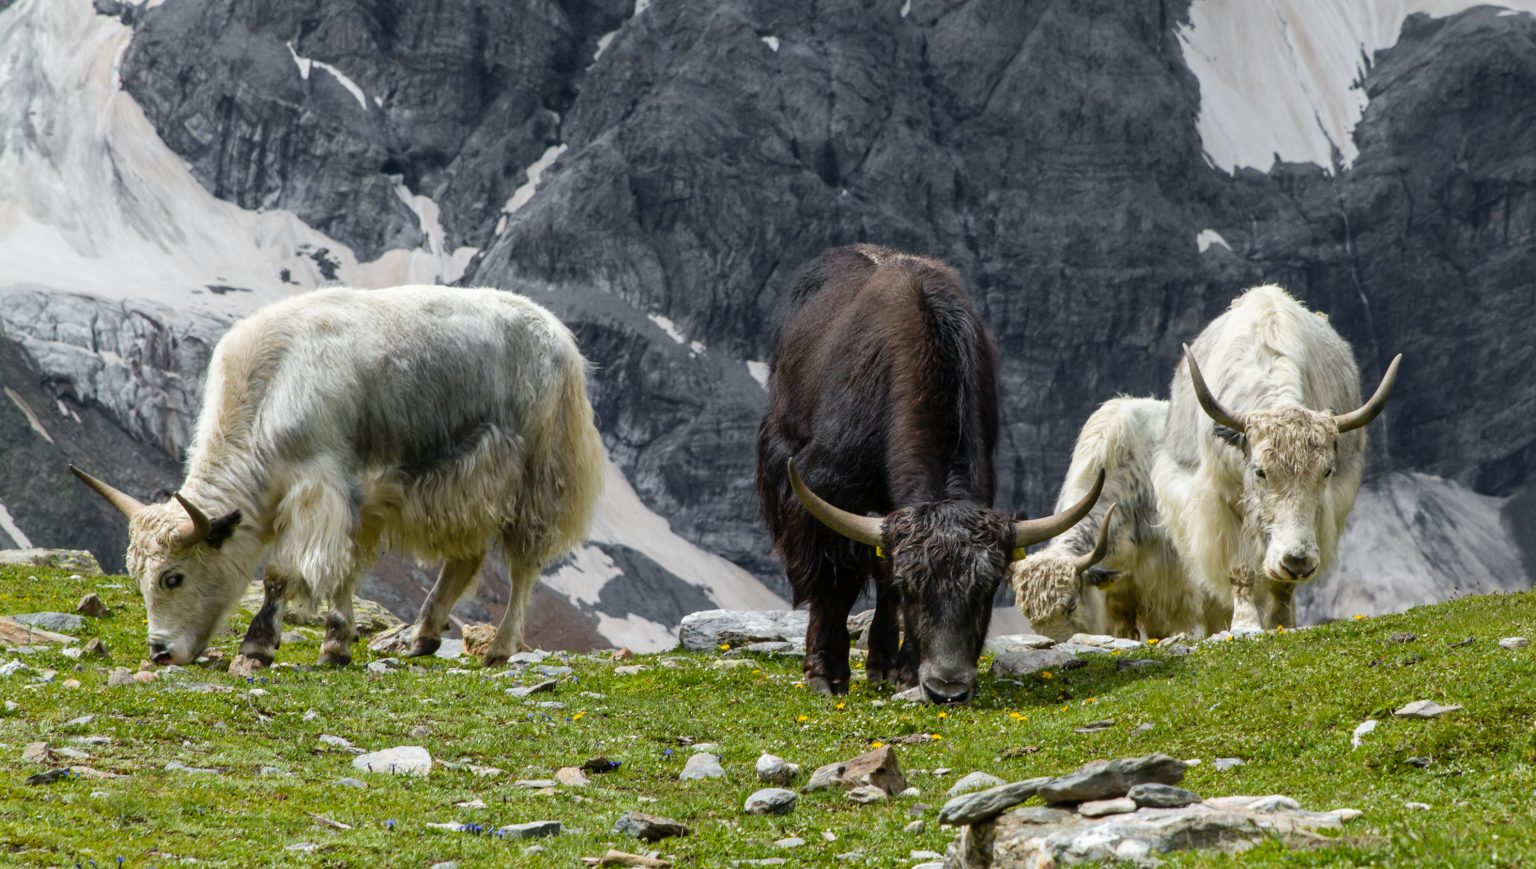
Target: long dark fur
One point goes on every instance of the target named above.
(883, 387)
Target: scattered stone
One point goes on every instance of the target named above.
(382, 666)
(630, 669)
(1106, 779)
(15, 633)
(624, 858)
(71, 683)
(982, 805)
(276, 771)
(1028, 662)
(339, 742)
(49, 777)
(1460, 643)
(477, 638)
(1346, 815)
(1424, 709)
(775, 770)
(1423, 807)
(178, 766)
(1016, 643)
(1161, 796)
(648, 828)
(1144, 727)
(75, 560)
(1222, 764)
(1420, 762)
(710, 747)
(530, 830)
(1404, 637)
(75, 753)
(702, 765)
(623, 653)
(470, 804)
(57, 622)
(926, 855)
(1103, 641)
(1095, 726)
(37, 752)
(1361, 729)
(119, 677)
(420, 731)
(771, 801)
(976, 781)
(144, 677)
(708, 630)
(525, 690)
(789, 842)
(1513, 643)
(866, 794)
(402, 760)
(553, 672)
(395, 639)
(1137, 664)
(572, 777)
(916, 828)
(535, 784)
(910, 695)
(244, 667)
(352, 783)
(92, 607)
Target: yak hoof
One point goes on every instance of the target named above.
(331, 658)
(823, 685)
(424, 646)
(255, 657)
(496, 660)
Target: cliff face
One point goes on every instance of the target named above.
(1101, 173)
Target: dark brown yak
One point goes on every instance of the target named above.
(883, 397)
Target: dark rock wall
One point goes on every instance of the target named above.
(1049, 150)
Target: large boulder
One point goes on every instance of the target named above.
(710, 629)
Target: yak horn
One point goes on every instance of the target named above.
(1032, 531)
(198, 529)
(1100, 547)
(1208, 402)
(1368, 411)
(860, 529)
(126, 504)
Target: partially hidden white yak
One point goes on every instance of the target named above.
(437, 422)
(1260, 463)
(1117, 572)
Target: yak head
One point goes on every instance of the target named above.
(1062, 594)
(1290, 458)
(187, 568)
(947, 560)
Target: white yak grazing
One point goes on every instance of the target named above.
(433, 421)
(1260, 464)
(1138, 588)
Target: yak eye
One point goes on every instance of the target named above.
(1329, 472)
(1259, 472)
(171, 580)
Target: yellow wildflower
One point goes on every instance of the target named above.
(877, 744)
(577, 716)
(1152, 641)
(1090, 700)
(1359, 616)
(935, 736)
(804, 718)
(1045, 674)
(943, 714)
(1018, 717)
(725, 647)
(757, 672)
(840, 706)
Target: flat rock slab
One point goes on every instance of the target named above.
(775, 770)
(76, 560)
(984, 805)
(404, 760)
(1108, 779)
(1160, 796)
(1105, 808)
(530, 830)
(14, 633)
(1017, 643)
(701, 765)
(1513, 643)
(648, 828)
(709, 629)
(1028, 662)
(1104, 641)
(976, 781)
(1424, 709)
(1046, 837)
(878, 768)
(771, 801)
(59, 623)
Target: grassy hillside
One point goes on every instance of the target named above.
(1286, 704)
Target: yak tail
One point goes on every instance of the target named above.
(563, 473)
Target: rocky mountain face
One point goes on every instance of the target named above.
(655, 172)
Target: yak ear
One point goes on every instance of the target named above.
(221, 528)
(1100, 577)
(1231, 436)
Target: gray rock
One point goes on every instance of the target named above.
(1138, 664)
(648, 828)
(1016, 643)
(61, 623)
(1103, 641)
(771, 801)
(526, 658)
(535, 784)
(879, 767)
(1103, 808)
(775, 770)
(402, 760)
(276, 771)
(866, 794)
(1424, 709)
(1028, 662)
(708, 630)
(1162, 796)
(530, 830)
(1513, 643)
(178, 766)
(1107, 779)
(352, 783)
(91, 606)
(979, 806)
(916, 828)
(338, 742)
(976, 781)
(700, 766)
(572, 777)
(75, 560)
(553, 671)
(789, 842)
(525, 690)
(119, 677)
(1222, 764)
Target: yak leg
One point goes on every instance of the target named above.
(265, 633)
(826, 637)
(509, 634)
(1275, 602)
(340, 631)
(432, 620)
(883, 663)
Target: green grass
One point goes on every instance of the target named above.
(1285, 703)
